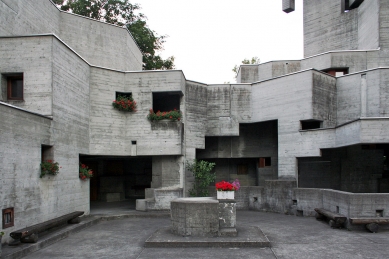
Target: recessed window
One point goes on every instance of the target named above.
(336, 71)
(123, 94)
(166, 101)
(311, 124)
(264, 162)
(8, 217)
(47, 153)
(379, 213)
(15, 87)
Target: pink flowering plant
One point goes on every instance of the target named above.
(124, 103)
(85, 172)
(49, 167)
(174, 115)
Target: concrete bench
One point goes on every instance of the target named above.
(30, 234)
(336, 220)
(371, 224)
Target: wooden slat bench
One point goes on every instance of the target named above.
(371, 224)
(29, 234)
(335, 219)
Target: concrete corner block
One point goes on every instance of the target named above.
(288, 6)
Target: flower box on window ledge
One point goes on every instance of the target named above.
(124, 103)
(174, 115)
(49, 167)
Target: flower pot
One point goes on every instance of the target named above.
(225, 195)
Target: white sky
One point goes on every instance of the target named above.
(208, 37)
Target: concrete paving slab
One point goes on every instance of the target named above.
(290, 237)
(248, 236)
(208, 253)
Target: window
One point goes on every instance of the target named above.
(8, 217)
(264, 162)
(124, 94)
(310, 124)
(166, 101)
(15, 87)
(336, 71)
(47, 153)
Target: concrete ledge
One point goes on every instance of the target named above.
(248, 237)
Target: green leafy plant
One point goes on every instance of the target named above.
(2, 233)
(85, 172)
(202, 172)
(49, 167)
(174, 115)
(124, 103)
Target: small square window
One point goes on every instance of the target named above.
(15, 87)
(166, 101)
(264, 162)
(8, 218)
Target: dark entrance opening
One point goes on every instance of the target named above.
(357, 169)
(118, 178)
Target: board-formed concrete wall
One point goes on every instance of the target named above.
(20, 156)
(37, 72)
(116, 49)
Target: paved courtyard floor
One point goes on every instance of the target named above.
(290, 237)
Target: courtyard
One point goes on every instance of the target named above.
(122, 234)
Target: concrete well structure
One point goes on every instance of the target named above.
(286, 129)
(203, 216)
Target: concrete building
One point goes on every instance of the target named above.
(298, 134)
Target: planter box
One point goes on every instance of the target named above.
(225, 195)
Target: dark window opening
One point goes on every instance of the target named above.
(243, 169)
(166, 101)
(264, 162)
(15, 87)
(311, 124)
(379, 213)
(123, 94)
(336, 71)
(8, 217)
(133, 142)
(47, 153)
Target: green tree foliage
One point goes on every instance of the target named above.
(252, 61)
(123, 13)
(202, 171)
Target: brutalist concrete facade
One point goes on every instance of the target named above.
(287, 129)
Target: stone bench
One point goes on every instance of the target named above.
(371, 224)
(30, 234)
(336, 220)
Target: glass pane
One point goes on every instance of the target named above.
(17, 88)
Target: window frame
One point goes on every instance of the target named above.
(10, 78)
(12, 218)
